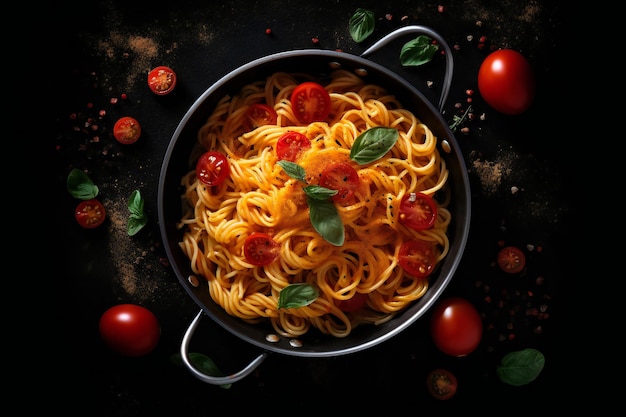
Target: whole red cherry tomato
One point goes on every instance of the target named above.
(130, 329)
(506, 81)
(456, 326)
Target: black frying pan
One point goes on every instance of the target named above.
(317, 63)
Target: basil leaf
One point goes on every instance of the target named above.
(202, 362)
(373, 144)
(80, 186)
(317, 192)
(326, 221)
(418, 51)
(361, 24)
(137, 219)
(521, 367)
(297, 295)
(292, 169)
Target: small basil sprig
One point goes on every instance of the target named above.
(322, 212)
(373, 144)
(521, 367)
(361, 24)
(297, 295)
(80, 186)
(138, 218)
(418, 51)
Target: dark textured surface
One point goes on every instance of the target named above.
(107, 51)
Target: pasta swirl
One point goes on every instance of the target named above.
(259, 196)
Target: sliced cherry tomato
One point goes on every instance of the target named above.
(418, 211)
(311, 102)
(259, 115)
(90, 213)
(506, 81)
(417, 258)
(456, 326)
(441, 384)
(130, 329)
(127, 130)
(340, 176)
(162, 80)
(511, 259)
(260, 249)
(356, 303)
(212, 168)
(290, 145)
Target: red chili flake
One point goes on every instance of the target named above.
(388, 16)
(73, 116)
(124, 96)
(315, 40)
(268, 31)
(457, 47)
(501, 243)
(89, 105)
(102, 113)
(482, 39)
(441, 8)
(469, 99)
(113, 100)
(481, 46)
(469, 92)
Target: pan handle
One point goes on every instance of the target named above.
(421, 30)
(215, 380)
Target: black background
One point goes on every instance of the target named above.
(94, 60)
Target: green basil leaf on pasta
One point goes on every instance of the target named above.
(418, 51)
(317, 192)
(373, 144)
(521, 367)
(292, 169)
(326, 220)
(297, 295)
(80, 186)
(361, 24)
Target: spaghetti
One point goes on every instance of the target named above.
(260, 196)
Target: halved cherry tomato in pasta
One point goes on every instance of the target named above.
(162, 80)
(340, 176)
(259, 114)
(290, 145)
(511, 259)
(441, 384)
(417, 258)
(90, 213)
(212, 168)
(355, 303)
(260, 249)
(127, 130)
(418, 211)
(310, 102)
